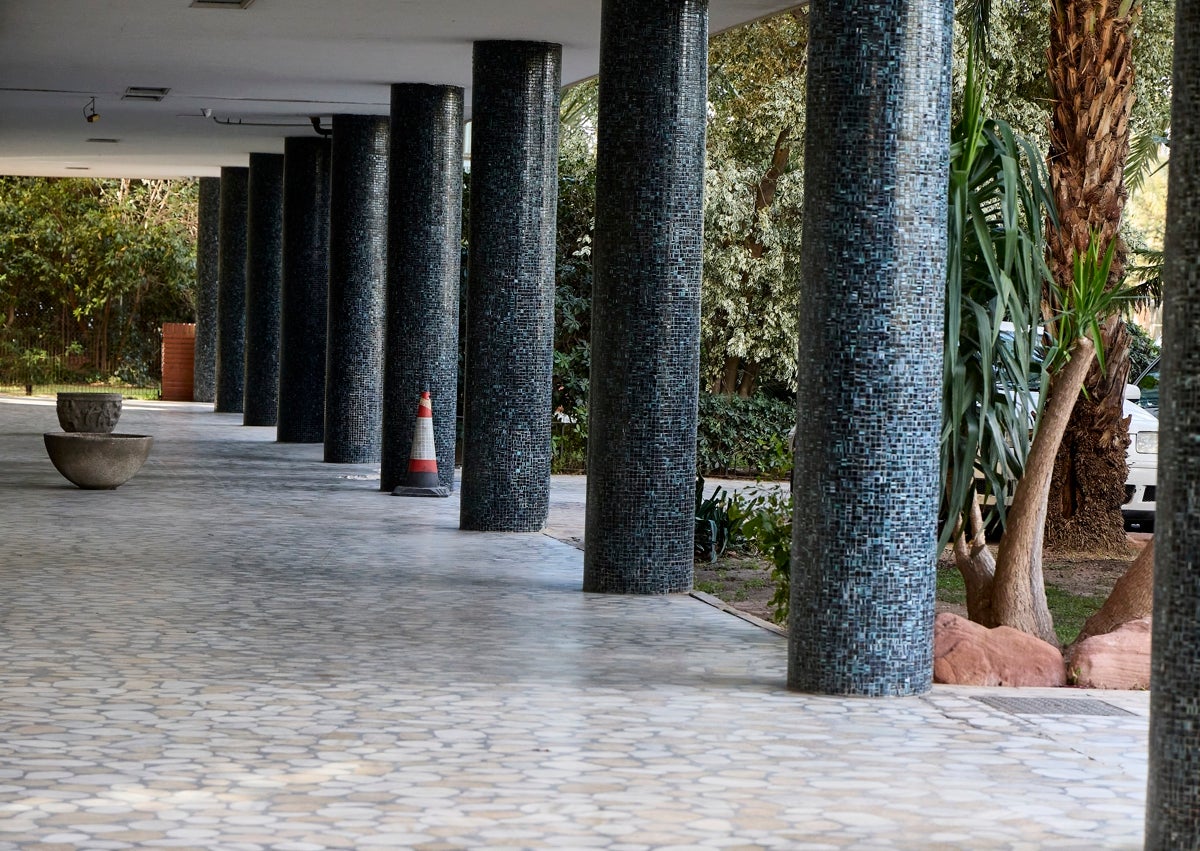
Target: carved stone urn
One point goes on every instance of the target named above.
(89, 412)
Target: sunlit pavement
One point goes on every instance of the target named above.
(245, 648)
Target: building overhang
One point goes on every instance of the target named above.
(241, 79)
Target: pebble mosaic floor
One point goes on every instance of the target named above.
(244, 648)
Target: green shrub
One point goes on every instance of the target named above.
(765, 522)
(744, 437)
(715, 529)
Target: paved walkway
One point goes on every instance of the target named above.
(244, 648)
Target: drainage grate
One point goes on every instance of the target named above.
(1052, 706)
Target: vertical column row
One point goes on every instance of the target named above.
(231, 291)
(510, 318)
(204, 375)
(305, 277)
(357, 252)
(1173, 794)
(264, 276)
(646, 297)
(423, 266)
(871, 313)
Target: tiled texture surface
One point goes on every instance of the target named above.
(247, 649)
(264, 280)
(646, 296)
(510, 314)
(870, 366)
(357, 257)
(204, 373)
(1173, 819)
(303, 298)
(231, 291)
(424, 261)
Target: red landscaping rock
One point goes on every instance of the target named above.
(1119, 659)
(967, 654)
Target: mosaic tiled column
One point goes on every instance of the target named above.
(357, 258)
(303, 297)
(204, 372)
(423, 265)
(870, 370)
(510, 311)
(1173, 794)
(264, 277)
(646, 297)
(231, 291)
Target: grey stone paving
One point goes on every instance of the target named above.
(245, 648)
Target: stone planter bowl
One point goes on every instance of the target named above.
(96, 461)
(89, 412)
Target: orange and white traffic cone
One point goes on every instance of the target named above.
(422, 478)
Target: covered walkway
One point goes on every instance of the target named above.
(246, 648)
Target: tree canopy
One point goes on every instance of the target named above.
(95, 266)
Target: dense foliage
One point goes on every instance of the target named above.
(753, 195)
(89, 271)
(573, 277)
(744, 437)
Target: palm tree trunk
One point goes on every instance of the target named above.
(1091, 77)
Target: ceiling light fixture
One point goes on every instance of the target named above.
(89, 112)
(144, 93)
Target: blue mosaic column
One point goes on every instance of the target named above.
(1173, 793)
(305, 281)
(510, 309)
(646, 297)
(425, 171)
(357, 266)
(871, 312)
(204, 374)
(231, 291)
(264, 277)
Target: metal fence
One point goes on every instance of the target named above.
(43, 351)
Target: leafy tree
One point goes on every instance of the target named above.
(573, 277)
(96, 263)
(753, 194)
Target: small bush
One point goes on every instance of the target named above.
(765, 522)
(744, 437)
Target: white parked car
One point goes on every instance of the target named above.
(1141, 406)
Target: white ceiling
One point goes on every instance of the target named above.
(278, 61)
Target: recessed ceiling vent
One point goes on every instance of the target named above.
(144, 93)
(104, 141)
(220, 4)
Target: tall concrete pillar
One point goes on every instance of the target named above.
(870, 369)
(357, 269)
(305, 280)
(231, 291)
(510, 313)
(1173, 794)
(204, 375)
(646, 297)
(264, 277)
(424, 247)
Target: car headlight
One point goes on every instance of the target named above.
(1146, 442)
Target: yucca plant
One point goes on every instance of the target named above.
(1018, 594)
(995, 272)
